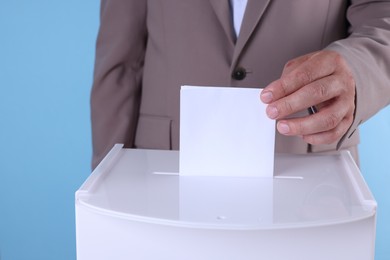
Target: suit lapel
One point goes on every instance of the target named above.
(254, 11)
(222, 10)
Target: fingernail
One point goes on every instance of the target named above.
(266, 96)
(283, 128)
(272, 112)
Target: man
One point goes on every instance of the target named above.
(332, 55)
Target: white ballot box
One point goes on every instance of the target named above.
(136, 206)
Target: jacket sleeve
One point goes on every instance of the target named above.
(367, 51)
(116, 90)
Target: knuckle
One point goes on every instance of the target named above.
(304, 76)
(338, 59)
(297, 128)
(335, 135)
(289, 64)
(321, 90)
(332, 121)
(287, 107)
(348, 86)
(350, 80)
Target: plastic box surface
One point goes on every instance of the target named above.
(135, 206)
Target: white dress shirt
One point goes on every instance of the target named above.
(238, 10)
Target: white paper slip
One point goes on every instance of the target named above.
(224, 131)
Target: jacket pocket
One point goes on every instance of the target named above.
(153, 132)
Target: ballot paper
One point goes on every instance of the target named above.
(224, 131)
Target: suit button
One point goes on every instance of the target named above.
(239, 73)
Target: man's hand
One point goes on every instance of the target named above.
(321, 79)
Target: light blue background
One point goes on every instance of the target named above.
(46, 62)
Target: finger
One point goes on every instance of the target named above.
(266, 95)
(294, 63)
(317, 66)
(331, 136)
(327, 119)
(310, 95)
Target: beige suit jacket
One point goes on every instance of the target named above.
(147, 49)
